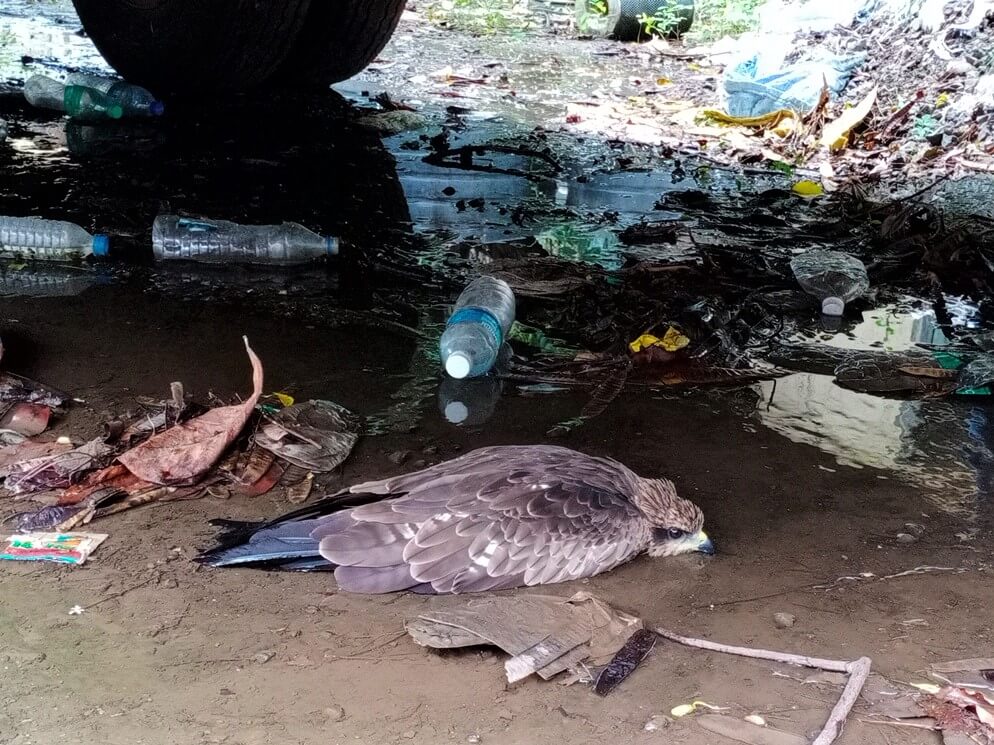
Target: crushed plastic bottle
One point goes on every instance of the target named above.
(48, 240)
(77, 101)
(133, 99)
(476, 330)
(223, 242)
(835, 278)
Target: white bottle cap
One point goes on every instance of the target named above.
(833, 306)
(457, 365)
(456, 412)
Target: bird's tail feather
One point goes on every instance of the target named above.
(284, 543)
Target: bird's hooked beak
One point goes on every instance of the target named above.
(702, 543)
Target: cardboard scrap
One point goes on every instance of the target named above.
(544, 634)
(64, 548)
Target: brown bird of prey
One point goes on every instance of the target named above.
(495, 518)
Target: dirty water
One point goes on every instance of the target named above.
(802, 481)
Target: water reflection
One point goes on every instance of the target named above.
(944, 446)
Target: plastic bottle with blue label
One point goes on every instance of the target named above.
(477, 328)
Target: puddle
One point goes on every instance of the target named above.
(945, 447)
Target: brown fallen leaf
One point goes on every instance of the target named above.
(187, 451)
(929, 372)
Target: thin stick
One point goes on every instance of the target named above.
(858, 671)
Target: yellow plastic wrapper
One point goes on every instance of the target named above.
(672, 341)
(807, 188)
(285, 399)
(684, 709)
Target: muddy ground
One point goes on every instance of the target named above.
(802, 483)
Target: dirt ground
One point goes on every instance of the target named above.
(166, 651)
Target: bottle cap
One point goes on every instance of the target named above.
(457, 365)
(331, 245)
(156, 108)
(833, 306)
(456, 412)
(101, 245)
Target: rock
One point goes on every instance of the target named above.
(959, 67)
(335, 713)
(226, 692)
(264, 656)
(906, 538)
(409, 734)
(505, 714)
(399, 456)
(474, 739)
(394, 122)
(784, 620)
(169, 583)
(657, 722)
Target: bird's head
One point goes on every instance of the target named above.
(676, 523)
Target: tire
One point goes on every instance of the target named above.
(222, 46)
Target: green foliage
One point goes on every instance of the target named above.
(480, 16)
(714, 19)
(664, 21)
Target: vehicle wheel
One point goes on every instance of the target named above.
(190, 46)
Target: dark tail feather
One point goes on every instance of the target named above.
(283, 543)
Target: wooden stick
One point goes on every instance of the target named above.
(858, 671)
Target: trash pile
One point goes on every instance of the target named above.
(170, 450)
(850, 92)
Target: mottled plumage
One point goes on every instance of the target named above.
(494, 518)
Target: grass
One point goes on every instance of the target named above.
(480, 16)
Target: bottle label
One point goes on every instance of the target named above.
(480, 316)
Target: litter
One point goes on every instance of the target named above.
(223, 242)
(133, 99)
(316, 435)
(63, 548)
(32, 238)
(835, 278)
(545, 635)
(477, 328)
(759, 82)
(77, 101)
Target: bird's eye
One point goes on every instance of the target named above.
(675, 533)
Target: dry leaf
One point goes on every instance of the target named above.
(807, 188)
(187, 451)
(835, 135)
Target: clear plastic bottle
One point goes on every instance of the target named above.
(477, 328)
(48, 240)
(833, 277)
(133, 99)
(77, 101)
(223, 242)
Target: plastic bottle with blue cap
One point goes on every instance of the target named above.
(33, 238)
(222, 242)
(77, 101)
(133, 99)
(477, 328)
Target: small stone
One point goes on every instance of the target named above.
(784, 620)
(657, 722)
(505, 714)
(169, 583)
(906, 538)
(399, 456)
(22, 656)
(226, 692)
(264, 656)
(474, 739)
(335, 713)
(409, 734)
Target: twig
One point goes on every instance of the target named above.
(858, 671)
(125, 591)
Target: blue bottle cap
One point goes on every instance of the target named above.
(101, 245)
(156, 108)
(331, 246)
